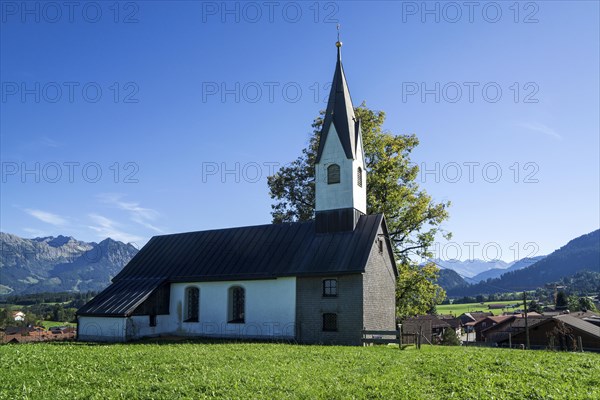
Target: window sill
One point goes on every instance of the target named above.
(192, 320)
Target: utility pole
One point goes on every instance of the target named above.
(526, 322)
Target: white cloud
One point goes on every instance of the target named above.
(47, 217)
(106, 227)
(140, 215)
(541, 128)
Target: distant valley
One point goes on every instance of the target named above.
(469, 278)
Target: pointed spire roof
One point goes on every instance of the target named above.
(340, 112)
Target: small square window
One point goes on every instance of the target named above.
(330, 322)
(152, 320)
(330, 288)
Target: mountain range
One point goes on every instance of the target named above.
(470, 269)
(56, 264)
(514, 266)
(580, 254)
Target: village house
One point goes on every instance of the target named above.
(509, 326)
(321, 281)
(468, 321)
(26, 334)
(474, 316)
(454, 322)
(561, 332)
(18, 316)
(485, 323)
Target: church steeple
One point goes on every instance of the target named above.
(340, 111)
(341, 181)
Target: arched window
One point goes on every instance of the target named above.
(192, 304)
(359, 178)
(237, 305)
(333, 174)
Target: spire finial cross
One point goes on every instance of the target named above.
(338, 43)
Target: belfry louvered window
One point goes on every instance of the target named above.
(359, 178)
(333, 174)
(192, 304)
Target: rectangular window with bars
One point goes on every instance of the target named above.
(330, 322)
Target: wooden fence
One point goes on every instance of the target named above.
(390, 337)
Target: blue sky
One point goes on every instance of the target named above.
(155, 117)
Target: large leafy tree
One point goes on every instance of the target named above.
(413, 218)
(416, 289)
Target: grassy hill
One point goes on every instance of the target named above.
(251, 370)
(451, 280)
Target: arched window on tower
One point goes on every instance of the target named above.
(333, 174)
(237, 305)
(359, 177)
(192, 304)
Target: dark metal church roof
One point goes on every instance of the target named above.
(252, 252)
(340, 113)
(121, 298)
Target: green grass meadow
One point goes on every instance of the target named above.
(50, 324)
(458, 309)
(275, 371)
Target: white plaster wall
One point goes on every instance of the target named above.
(102, 329)
(139, 326)
(270, 309)
(347, 193)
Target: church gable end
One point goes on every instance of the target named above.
(379, 295)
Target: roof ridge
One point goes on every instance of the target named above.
(236, 228)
